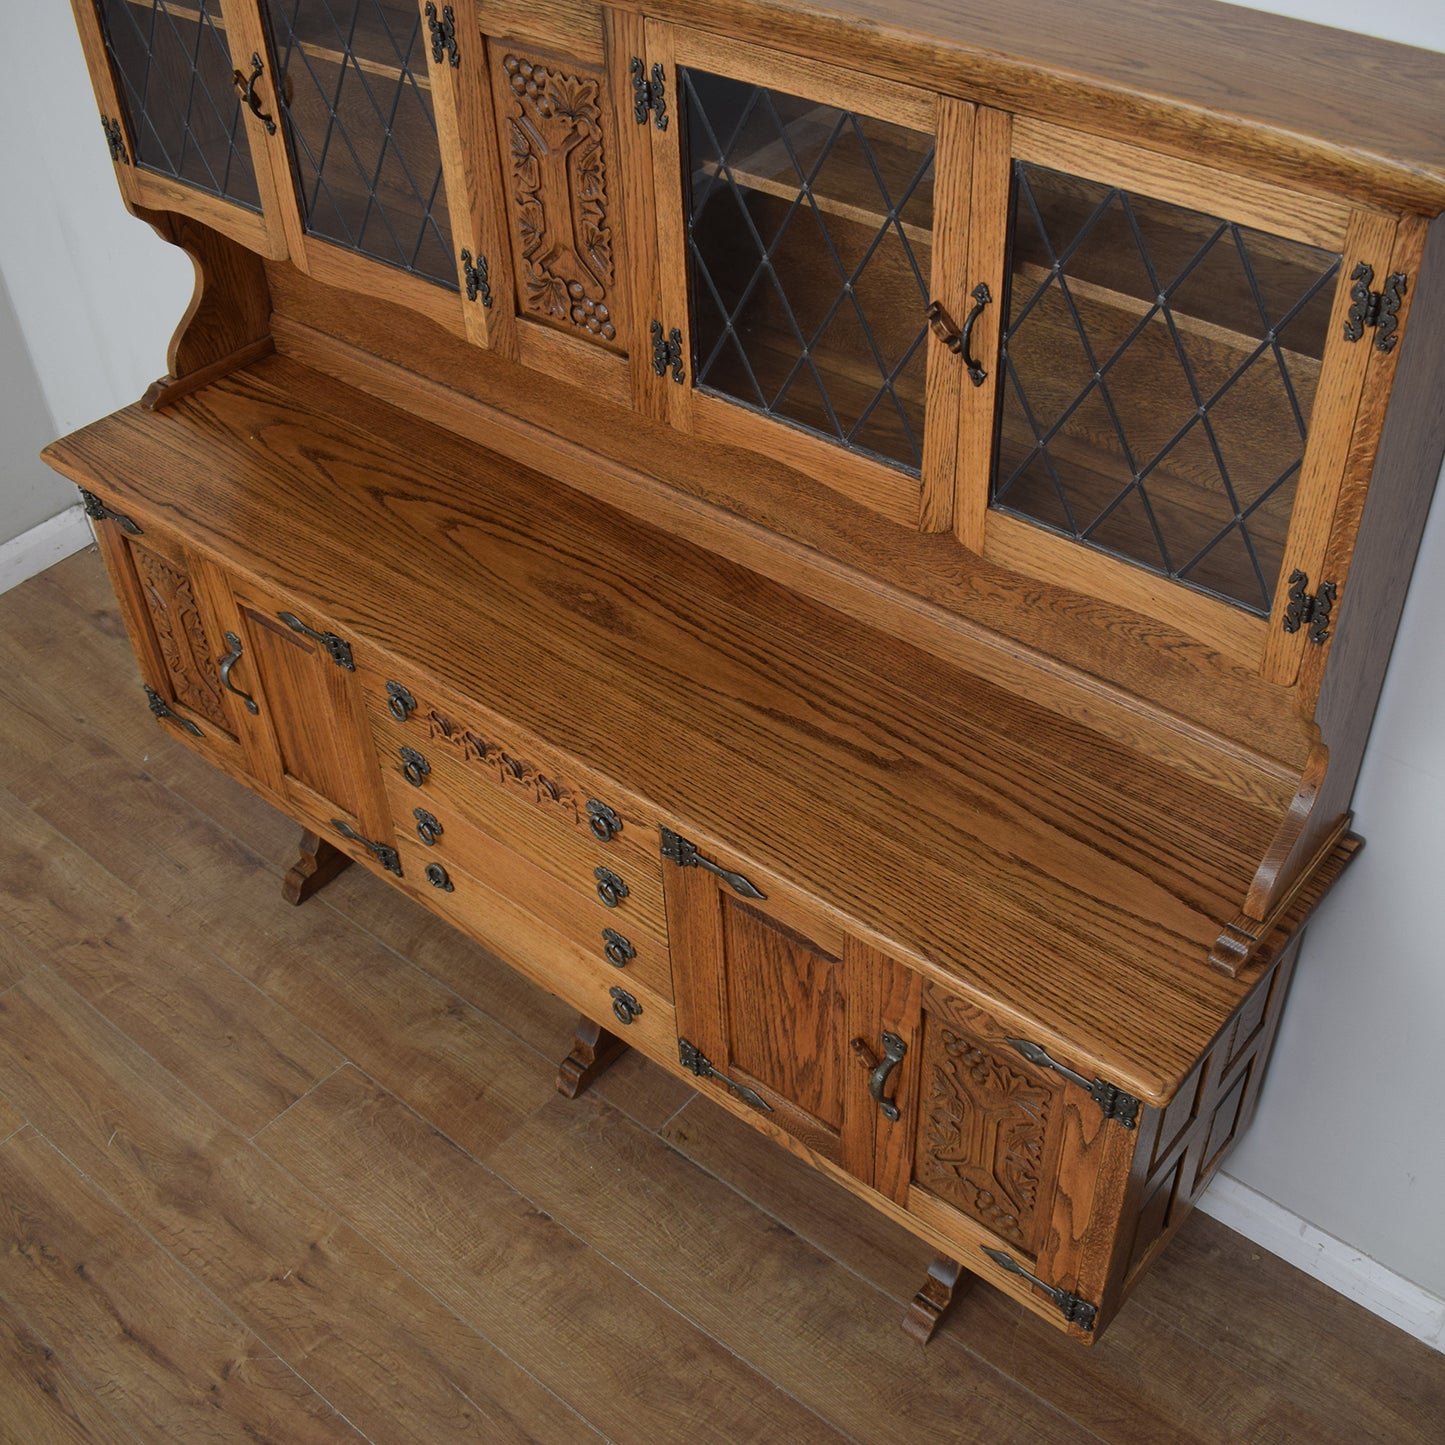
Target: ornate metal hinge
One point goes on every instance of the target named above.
(94, 507)
(337, 648)
(1116, 1104)
(443, 35)
(1076, 1311)
(160, 708)
(667, 352)
(1309, 609)
(384, 853)
(685, 855)
(693, 1060)
(114, 140)
(648, 95)
(1377, 309)
(476, 274)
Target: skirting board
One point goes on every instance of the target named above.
(1329, 1260)
(33, 551)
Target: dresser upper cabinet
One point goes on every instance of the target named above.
(1142, 378)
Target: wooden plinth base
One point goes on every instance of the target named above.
(946, 1281)
(592, 1051)
(318, 864)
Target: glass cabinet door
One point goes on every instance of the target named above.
(806, 264)
(1172, 388)
(190, 103)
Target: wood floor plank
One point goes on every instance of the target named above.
(167, 1359)
(758, 1287)
(10, 1119)
(385, 1352)
(638, 1369)
(40, 1398)
(245, 1055)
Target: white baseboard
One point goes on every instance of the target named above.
(1343, 1268)
(42, 546)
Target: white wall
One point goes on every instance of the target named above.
(1348, 1135)
(29, 491)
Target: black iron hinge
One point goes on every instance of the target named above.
(1307, 609)
(160, 708)
(667, 352)
(1377, 309)
(1115, 1103)
(1076, 1311)
(337, 648)
(692, 1059)
(476, 274)
(384, 853)
(648, 94)
(678, 850)
(115, 140)
(443, 35)
(94, 507)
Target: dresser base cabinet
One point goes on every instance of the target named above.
(862, 563)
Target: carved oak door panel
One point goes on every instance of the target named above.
(178, 644)
(560, 285)
(777, 1008)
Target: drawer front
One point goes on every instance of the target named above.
(575, 972)
(533, 799)
(627, 938)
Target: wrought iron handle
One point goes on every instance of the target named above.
(384, 853)
(414, 767)
(246, 84)
(893, 1051)
(610, 888)
(605, 823)
(428, 829)
(624, 1005)
(619, 950)
(436, 875)
(961, 342)
(399, 702)
(227, 663)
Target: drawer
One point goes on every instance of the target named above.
(619, 937)
(531, 798)
(624, 1000)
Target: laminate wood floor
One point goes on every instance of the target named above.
(300, 1174)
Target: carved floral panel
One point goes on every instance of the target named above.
(984, 1135)
(193, 675)
(509, 770)
(556, 157)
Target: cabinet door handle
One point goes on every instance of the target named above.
(961, 342)
(893, 1051)
(246, 88)
(227, 663)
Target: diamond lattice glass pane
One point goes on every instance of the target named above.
(1159, 367)
(358, 111)
(810, 234)
(174, 74)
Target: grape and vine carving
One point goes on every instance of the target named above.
(559, 189)
(177, 626)
(983, 1137)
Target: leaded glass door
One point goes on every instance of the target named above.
(186, 97)
(368, 117)
(1172, 392)
(810, 232)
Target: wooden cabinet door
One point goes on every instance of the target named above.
(1171, 391)
(304, 729)
(172, 81)
(776, 1006)
(811, 219)
(178, 642)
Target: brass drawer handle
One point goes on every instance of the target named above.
(605, 824)
(427, 827)
(610, 888)
(619, 950)
(893, 1051)
(624, 1005)
(414, 767)
(436, 875)
(399, 702)
(227, 663)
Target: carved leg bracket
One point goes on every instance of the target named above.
(592, 1051)
(318, 864)
(946, 1281)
